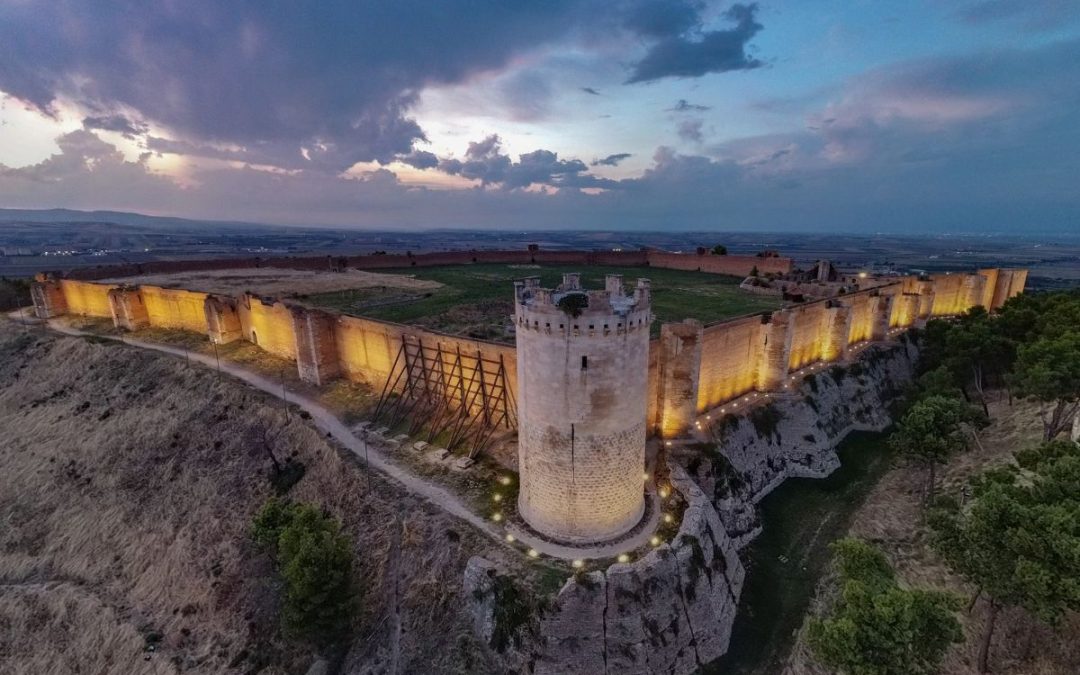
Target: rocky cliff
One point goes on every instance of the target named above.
(672, 610)
(794, 435)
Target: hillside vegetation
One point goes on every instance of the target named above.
(128, 486)
(997, 393)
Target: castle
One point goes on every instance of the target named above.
(585, 385)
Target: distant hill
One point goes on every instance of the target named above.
(126, 218)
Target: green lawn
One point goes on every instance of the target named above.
(477, 300)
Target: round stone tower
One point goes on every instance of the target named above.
(583, 369)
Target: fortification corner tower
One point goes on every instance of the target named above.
(583, 362)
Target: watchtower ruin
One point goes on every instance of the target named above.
(583, 368)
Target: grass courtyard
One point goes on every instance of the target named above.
(477, 300)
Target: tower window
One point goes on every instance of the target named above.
(584, 362)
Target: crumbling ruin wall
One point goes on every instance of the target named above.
(268, 324)
(175, 308)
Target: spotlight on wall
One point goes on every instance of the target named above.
(655, 541)
(623, 558)
(533, 553)
(511, 538)
(497, 517)
(577, 564)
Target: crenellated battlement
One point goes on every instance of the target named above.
(569, 309)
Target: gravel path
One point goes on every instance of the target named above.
(328, 423)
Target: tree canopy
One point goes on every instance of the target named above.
(1018, 540)
(934, 429)
(876, 627)
(315, 560)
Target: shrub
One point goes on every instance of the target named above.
(315, 561)
(876, 627)
(573, 303)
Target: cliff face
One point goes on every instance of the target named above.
(669, 612)
(672, 611)
(796, 434)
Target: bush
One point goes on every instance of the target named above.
(876, 627)
(315, 561)
(573, 303)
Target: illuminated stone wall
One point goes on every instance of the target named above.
(48, 297)
(269, 325)
(581, 409)
(128, 309)
(730, 353)
(223, 319)
(680, 364)
(87, 299)
(808, 334)
(175, 308)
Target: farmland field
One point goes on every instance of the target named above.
(477, 300)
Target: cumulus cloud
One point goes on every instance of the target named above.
(612, 160)
(485, 161)
(687, 54)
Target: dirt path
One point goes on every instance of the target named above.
(329, 424)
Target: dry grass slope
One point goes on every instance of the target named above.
(127, 485)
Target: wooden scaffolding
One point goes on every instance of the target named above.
(453, 398)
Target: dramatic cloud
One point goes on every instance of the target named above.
(323, 87)
(687, 55)
(684, 106)
(612, 160)
(485, 162)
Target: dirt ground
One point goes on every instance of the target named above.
(279, 282)
(892, 518)
(127, 485)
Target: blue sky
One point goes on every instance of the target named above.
(953, 115)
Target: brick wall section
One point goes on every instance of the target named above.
(268, 324)
(175, 308)
(128, 309)
(837, 329)
(775, 352)
(87, 299)
(730, 355)
(316, 347)
(48, 298)
(735, 265)
(222, 319)
(680, 364)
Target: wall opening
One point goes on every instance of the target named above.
(584, 362)
(254, 338)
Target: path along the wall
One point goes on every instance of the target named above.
(692, 368)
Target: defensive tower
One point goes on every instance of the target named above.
(583, 368)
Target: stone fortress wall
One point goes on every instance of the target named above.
(690, 369)
(735, 265)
